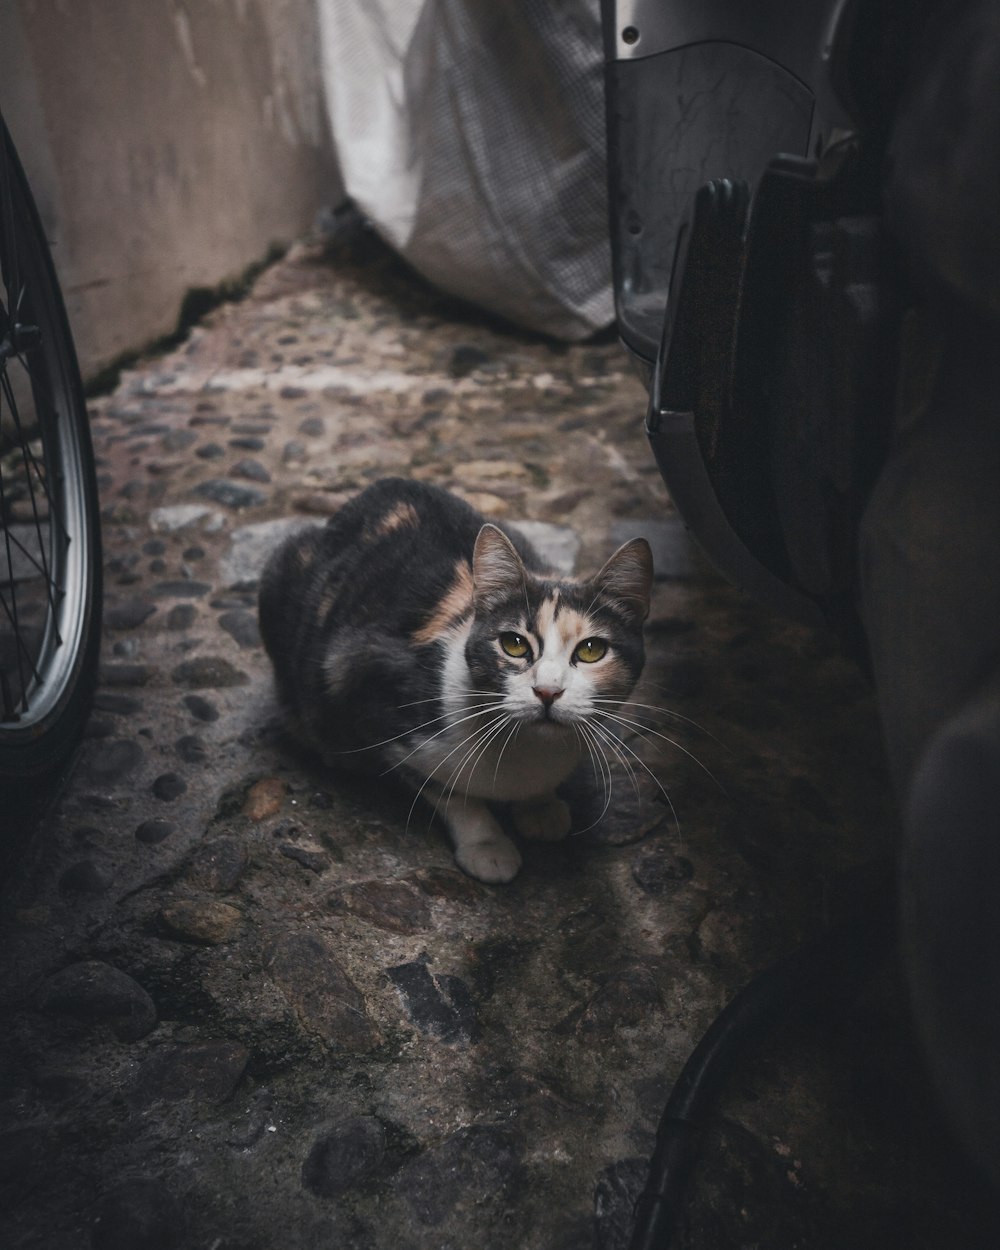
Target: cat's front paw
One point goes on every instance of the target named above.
(547, 821)
(493, 860)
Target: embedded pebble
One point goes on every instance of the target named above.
(344, 1155)
(658, 870)
(178, 440)
(264, 798)
(85, 877)
(628, 996)
(106, 761)
(209, 672)
(465, 359)
(440, 1006)
(201, 708)
(190, 747)
(251, 469)
(181, 616)
(95, 992)
(230, 494)
(182, 589)
(319, 991)
(242, 626)
(207, 1072)
(129, 614)
(218, 865)
(122, 704)
(154, 830)
(315, 861)
(169, 786)
(393, 905)
(205, 921)
(124, 674)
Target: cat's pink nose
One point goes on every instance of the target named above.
(547, 696)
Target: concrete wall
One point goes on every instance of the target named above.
(168, 144)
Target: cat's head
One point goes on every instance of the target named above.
(554, 648)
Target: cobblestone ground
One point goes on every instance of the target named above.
(249, 1004)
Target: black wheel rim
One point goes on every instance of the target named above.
(44, 563)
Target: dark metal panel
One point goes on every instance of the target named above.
(676, 121)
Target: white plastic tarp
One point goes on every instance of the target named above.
(471, 134)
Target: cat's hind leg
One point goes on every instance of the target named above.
(482, 849)
(544, 820)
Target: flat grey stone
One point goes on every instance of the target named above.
(440, 1006)
(107, 761)
(230, 494)
(252, 544)
(675, 553)
(558, 545)
(180, 516)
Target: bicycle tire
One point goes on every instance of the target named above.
(50, 543)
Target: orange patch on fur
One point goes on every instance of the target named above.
(402, 516)
(457, 602)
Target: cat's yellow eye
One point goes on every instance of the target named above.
(591, 650)
(515, 646)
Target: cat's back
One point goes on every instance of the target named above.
(384, 561)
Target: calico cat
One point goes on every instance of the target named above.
(410, 635)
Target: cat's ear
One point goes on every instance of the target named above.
(627, 579)
(496, 568)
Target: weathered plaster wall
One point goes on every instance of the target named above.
(168, 145)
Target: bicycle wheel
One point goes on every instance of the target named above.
(50, 555)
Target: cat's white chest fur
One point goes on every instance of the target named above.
(512, 764)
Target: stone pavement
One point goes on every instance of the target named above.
(249, 1004)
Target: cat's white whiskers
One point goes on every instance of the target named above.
(597, 756)
(665, 711)
(607, 732)
(617, 744)
(479, 730)
(643, 729)
(513, 734)
(596, 764)
(475, 753)
(437, 698)
(407, 733)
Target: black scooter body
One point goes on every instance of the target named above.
(803, 202)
